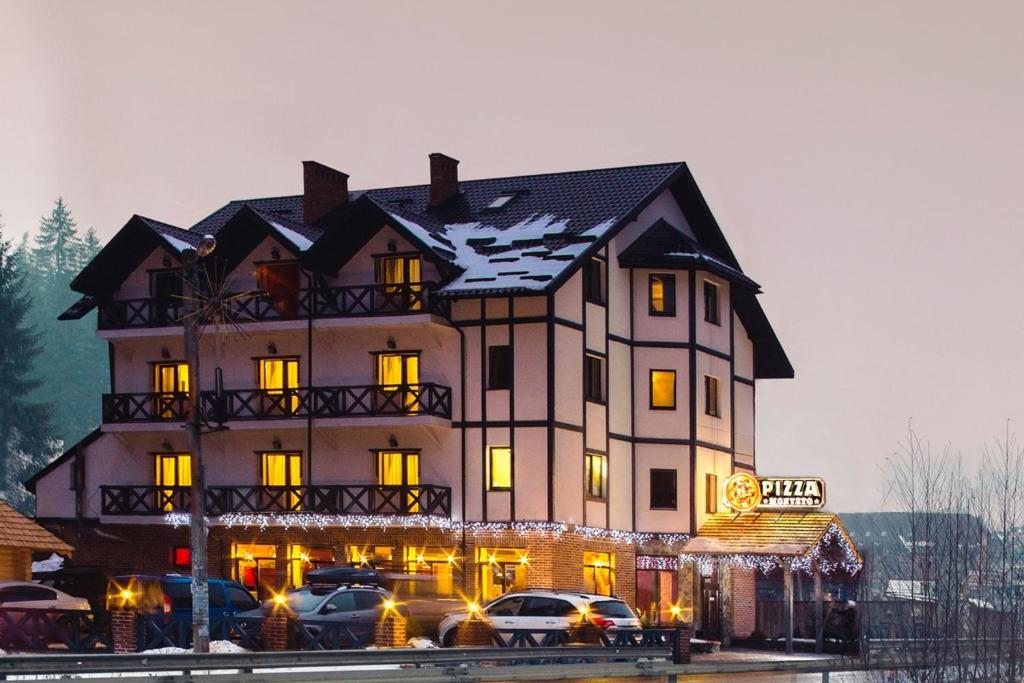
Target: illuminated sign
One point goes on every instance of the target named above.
(745, 492)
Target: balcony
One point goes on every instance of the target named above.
(340, 499)
(370, 400)
(325, 302)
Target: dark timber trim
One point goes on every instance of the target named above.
(692, 295)
(551, 405)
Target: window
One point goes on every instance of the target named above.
(507, 608)
(279, 384)
(593, 281)
(499, 468)
(435, 562)
(711, 303)
(398, 375)
(711, 493)
(548, 607)
(26, 594)
(174, 471)
(501, 570)
(367, 600)
(663, 489)
(661, 289)
(663, 389)
(281, 476)
(342, 602)
(165, 288)
(181, 556)
(401, 468)
(240, 600)
(376, 556)
(500, 201)
(593, 378)
(170, 384)
(499, 367)
(279, 283)
(302, 559)
(711, 406)
(596, 475)
(403, 290)
(598, 572)
(255, 567)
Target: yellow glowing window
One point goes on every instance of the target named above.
(370, 556)
(663, 389)
(437, 563)
(169, 381)
(662, 294)
(283, 470)
(302, 558)
(398, 468)
(403, 272)
(596, 474)
(598, 572)
(398, 374)
(502, 570)
(499, 468)
(172, 470)
(255, 567)
(279, 380)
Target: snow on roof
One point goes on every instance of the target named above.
(300, 242)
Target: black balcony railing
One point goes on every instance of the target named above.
(324, 302)
(260, 404)
(341, 499)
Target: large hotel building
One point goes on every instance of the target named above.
(504, 383)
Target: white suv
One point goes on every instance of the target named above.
(544, 610)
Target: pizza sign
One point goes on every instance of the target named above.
(745, 492)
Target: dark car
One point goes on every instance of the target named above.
(171, 594)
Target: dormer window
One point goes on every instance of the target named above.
(500, 201)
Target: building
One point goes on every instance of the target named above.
(19, 538)
(526, 381)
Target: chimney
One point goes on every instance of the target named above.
(444, 178)
(323, 189)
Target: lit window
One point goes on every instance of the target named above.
(376, 556)
(596, 474)
(399, 377)
(711, 493)
(279, 282)
(499, 367)
(170, 384)
(181, 556)
(302, 559)
(663, 389)
(711, 403)
(663, 489)
(255, 567)
(501, 570)
(279, 384)
(281, 475)
(401, 468)
(593, 281)
(403, 290)
(662, 294)
(711, 303)
(435, 562)
(499, 468)
(598, 573)
(174, 471)
(593, 378)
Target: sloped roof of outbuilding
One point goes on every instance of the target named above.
(18, 531)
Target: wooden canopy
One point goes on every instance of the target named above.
(781, 534)
(18, 531)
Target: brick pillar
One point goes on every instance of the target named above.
(391, 631)
(681, 644)
(274, 635)
(123, 630)
(473, 632)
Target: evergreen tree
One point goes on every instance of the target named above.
(88, 247)
(57, 244)
(25, 442)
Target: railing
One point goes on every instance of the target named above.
(259, 404)
(340, 499)
(154, 631)
(42, 629)
(325, 302)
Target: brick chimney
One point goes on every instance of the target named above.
(444, 178)
(323, 189)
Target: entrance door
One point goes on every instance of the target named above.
(398, 468)
(398, 375)
(656, 593)
(709, 606)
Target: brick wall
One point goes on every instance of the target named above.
(743, 602)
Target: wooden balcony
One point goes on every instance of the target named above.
(370, 400)
(324, 302)
(340, 499)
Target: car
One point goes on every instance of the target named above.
(171, 594)
(86, 581)
(24, 594)
(544, 610)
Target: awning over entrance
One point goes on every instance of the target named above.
(769, 534)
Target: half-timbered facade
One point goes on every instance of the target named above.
(510, 382)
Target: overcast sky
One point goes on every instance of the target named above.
(864, 159)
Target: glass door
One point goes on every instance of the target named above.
(279, 385)
(398, 375)
(170, 381)
(401, 277)
(399, 468)
(281, 475)
(173, 471)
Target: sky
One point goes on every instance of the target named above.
(863, 159)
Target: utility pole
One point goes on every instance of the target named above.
(193, 426)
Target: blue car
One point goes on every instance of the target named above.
(171, 594)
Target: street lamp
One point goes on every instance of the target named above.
(193, 422)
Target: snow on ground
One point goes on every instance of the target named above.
(421, 643)
(224, 647)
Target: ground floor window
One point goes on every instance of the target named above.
(435, 565)
(502, 570)
(255, 567)
(375, 556)
(302, 559)
(598, 572)
(181, 556)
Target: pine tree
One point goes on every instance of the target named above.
(57, 244)
(88, 247)
(25, 442)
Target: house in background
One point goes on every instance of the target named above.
(525, 381)
(19, 538)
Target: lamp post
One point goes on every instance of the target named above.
(193, 424)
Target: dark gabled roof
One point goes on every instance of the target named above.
(665, 246)
(30, 483)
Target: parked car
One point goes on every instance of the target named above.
(23, 594)
(171, 594)
(85, 581)
(544, 610)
